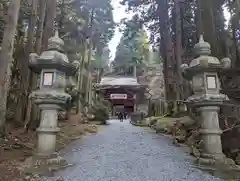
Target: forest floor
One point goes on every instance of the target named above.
(18, 145)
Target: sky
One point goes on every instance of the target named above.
(226, 14)
(119, 14)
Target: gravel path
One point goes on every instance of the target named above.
(122, 152)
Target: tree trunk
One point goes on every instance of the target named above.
(82, 65)
(198, 19)
(234, 24)
(32, 24)
(23, 65)
(98, 75)
(178, 55)
(208, 25)
(90, 93)
(40, 25)
(31, 111)
(178, 51)
(6, 58)
(90, 47)
(88, 71)
(50, 20)
(80, 79)
(78, 110)
(167, 50)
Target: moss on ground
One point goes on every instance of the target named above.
(138, 124)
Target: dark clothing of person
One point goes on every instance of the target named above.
(118, 115)
(121, 116)
(125, 115)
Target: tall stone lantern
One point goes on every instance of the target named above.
(54, 68)
(203, 76)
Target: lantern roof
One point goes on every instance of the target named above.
(202, 47)
(56, 43)
(204, 62)
(53, 58)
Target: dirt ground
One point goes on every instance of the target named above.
(19, 145)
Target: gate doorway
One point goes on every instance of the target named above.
(121, 108)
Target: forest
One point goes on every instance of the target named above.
(175, 27)
(86, 28)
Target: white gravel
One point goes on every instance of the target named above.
(122, 152)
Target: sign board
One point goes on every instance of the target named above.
(118, 96)
(48, 79)
(211, 82)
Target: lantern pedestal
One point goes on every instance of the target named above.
(47, 130)
(46, 159)
(49, 102)
(211, 133)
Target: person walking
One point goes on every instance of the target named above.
(121, 116)
(125, 115)
(118, 115)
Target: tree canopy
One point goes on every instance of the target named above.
(86, 26)
(175, 26)
(133, 48)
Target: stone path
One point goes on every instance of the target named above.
(122, 152)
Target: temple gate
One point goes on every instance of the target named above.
(124, 93)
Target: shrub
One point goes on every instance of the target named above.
(100, 111)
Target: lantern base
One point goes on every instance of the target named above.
(217, 164)
(46, 165)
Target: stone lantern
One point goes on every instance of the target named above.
(54, 68)
(203, 76)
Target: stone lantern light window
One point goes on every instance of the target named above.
(48, 78)
(211, 82)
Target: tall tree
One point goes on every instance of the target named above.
(34, 26)
(40, 25)
(208, 24)
(170, 21)
(51, 14)
(98, 30)
(31, 109)
(6, 58)
(178, 48)
(133, 48)
(22, 51)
